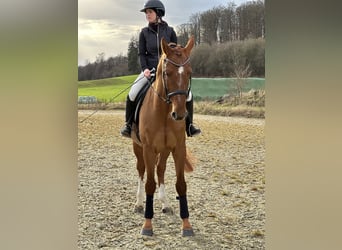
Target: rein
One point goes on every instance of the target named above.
(112, 98)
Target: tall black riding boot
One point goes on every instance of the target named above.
(189, 127)
(130, 109)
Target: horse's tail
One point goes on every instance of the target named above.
(189, 162)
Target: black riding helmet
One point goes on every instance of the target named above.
(156, 5)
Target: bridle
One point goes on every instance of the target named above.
(164, 80)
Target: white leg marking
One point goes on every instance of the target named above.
(140, 193)
(162, 196)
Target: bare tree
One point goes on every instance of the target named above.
(226, 23)
(241, 72)
(195, 27)
(251, 21)
(183, 33)
(227, 26)
(240, 68)
(210, 21)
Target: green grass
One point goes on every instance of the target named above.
(106, 89)
(202, 88)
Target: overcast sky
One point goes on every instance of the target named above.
(108, 25)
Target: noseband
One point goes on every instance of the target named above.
(177, 92)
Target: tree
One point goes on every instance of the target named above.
(226, 23)
(241, 72)
(132, 55)
(240, 68)
(210, 22)
(195, 27)
(251, 21)
(227, 27)
(100, 57)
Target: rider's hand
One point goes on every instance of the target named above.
(147, 73)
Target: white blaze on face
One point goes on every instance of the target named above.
(180, 72)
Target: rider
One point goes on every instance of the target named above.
(149, 53)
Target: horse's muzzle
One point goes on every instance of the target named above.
(177, 117)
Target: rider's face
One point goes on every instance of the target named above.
(151, 15)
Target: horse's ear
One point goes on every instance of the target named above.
(164, 46)
(190, 44)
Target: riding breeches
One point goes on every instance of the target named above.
(139, 84)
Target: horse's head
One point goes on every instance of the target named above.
(175, 69)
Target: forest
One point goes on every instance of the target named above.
(230, 42)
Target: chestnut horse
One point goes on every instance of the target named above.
(162, 131)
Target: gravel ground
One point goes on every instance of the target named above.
(226, 191)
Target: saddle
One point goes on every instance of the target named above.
(139, 100)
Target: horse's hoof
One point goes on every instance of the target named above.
(167, 210)
(139, 209)
(146, 232)
(187, 232)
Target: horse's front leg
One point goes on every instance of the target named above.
(161, 167)
(139, 205)
(150, 187)
(179, 157)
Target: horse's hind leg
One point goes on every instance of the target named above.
(161, 167)
(138, 151)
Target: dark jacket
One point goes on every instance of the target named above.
(148, 45)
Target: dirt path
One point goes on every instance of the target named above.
(226, 192)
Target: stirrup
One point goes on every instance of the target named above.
(126, 131)
(192, 131)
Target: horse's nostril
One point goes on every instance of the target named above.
(174, 115)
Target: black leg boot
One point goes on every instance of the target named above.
(130, 109)
(189, 127)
